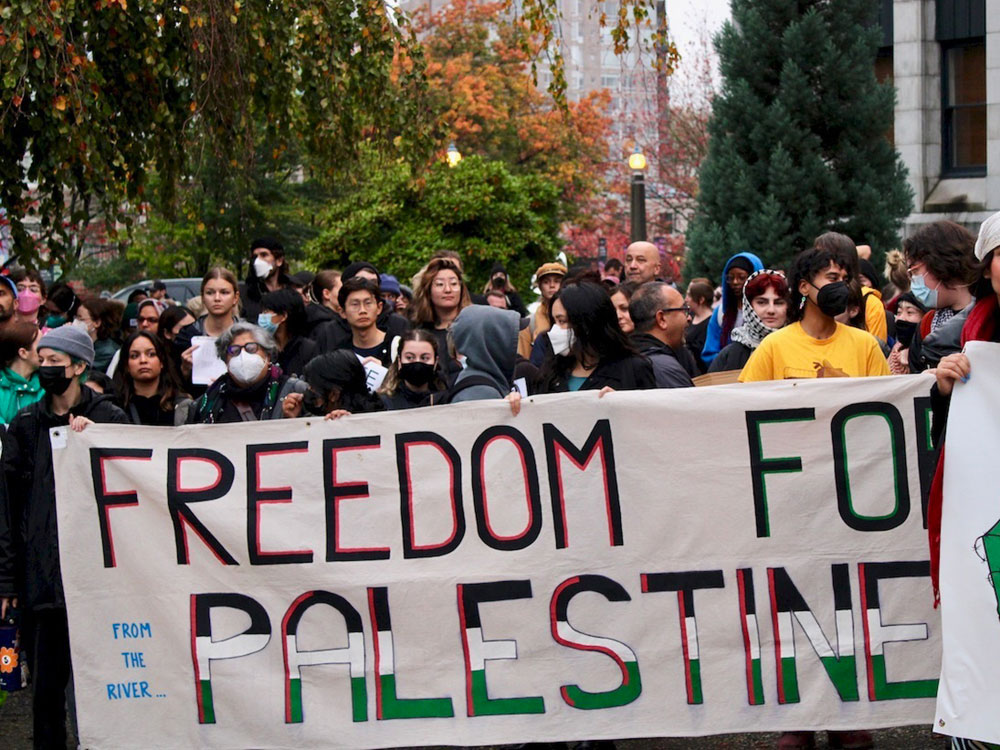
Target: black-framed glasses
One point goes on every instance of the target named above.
(683, 308)
(251, 347)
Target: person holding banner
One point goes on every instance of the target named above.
(981, 324)
(337, 385)
(590, 350)
(815, 345)
(66, 354)
(253, 388)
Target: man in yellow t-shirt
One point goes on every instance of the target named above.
(816, 345)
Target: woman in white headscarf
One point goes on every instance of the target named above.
(765, 310)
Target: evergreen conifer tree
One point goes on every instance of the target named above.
(798, 136)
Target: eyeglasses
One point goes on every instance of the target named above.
(251, 348)
(915, 269)
(446, 284)
(683, 308)
(357, 304)
(149, 320)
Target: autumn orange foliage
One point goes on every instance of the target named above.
(480, 79)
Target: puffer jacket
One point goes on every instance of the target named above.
(28, 509)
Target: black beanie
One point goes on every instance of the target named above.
(741, 262)
(352, 270)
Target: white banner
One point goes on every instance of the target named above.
(679, 562)
(970, 554)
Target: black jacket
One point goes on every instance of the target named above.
(296, 355)
(625, 374)
(404, 398)
(732, 357)
(317, 315)
(667, 369)
(29, 508)
(336, 333)
(925, 353)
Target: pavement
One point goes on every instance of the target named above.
(15, 734)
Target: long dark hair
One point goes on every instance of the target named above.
(168, 388)
(597, 336)
(342, 370)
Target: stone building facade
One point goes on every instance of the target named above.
(944, 59)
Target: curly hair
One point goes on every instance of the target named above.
(947, 249)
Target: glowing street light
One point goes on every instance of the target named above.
(454, 155)
(637, 163)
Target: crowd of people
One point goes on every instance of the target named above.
(290, 345)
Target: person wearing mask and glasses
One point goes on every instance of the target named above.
(253, 388)
(941, 262)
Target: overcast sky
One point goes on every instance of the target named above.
(690, 20)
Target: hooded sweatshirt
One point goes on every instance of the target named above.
(713, 338)
(16, 393)
(487, 337)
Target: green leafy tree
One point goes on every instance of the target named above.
(479, 209)
(798, 136)
(101, 100)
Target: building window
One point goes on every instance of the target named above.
(963, 110)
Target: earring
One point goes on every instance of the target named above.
(802, 303)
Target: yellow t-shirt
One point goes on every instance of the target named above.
(793, 353)
(874, 313)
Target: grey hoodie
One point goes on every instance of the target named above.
(487, 336)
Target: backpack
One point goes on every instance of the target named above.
(470, 382)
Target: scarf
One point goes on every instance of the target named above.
(753, 330)
(979, 326)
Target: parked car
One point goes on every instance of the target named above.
(179, 290)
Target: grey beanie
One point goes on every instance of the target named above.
(71, 340)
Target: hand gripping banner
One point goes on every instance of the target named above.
(687, 562)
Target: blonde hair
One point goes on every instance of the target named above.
(896, 271)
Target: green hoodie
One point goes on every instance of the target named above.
(16, 393)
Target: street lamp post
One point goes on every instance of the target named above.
(454, 156)
(637, 163)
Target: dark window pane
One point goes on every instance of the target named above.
(969, 139)
(967, 75)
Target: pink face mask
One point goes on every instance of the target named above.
(28, 302)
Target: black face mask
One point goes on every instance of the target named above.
(417, 373)
(53, 379)
(904, 332)
(833, 298)
(182, 339)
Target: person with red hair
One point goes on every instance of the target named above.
(765, 310)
